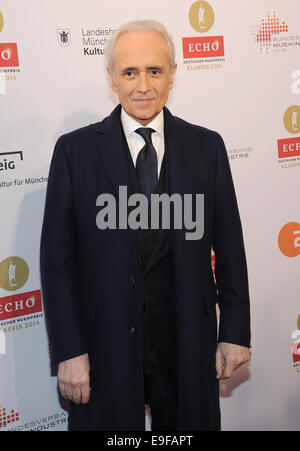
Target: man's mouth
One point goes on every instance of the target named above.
(143, 100)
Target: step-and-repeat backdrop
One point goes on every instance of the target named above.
(238, 73)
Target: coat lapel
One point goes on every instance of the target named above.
(110, 146)
(180, 152)
(178, 142)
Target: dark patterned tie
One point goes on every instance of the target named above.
(146, 163)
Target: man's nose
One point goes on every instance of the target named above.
(143, 82)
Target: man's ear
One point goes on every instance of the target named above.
(111, 79)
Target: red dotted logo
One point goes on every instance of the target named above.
(267, 31)
(6, 419)
(270, 26)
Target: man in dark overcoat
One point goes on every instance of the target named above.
(131, 311)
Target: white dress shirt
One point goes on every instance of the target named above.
(136, 142)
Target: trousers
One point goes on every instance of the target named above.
(159, 361)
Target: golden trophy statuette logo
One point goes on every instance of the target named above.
(1, 22)
(14, 273)
(201, 16)
(292, 119)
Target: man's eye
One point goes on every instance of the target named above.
(129, 73)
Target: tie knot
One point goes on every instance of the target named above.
(145, 132)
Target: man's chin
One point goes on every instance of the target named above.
(144, 116)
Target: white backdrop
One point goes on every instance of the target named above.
(244, 95)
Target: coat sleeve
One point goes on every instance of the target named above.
(58, 263)
(230, 260)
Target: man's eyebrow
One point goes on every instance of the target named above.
(155, 68)
(129, 68)
(132, 68)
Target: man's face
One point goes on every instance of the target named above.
(142, 75)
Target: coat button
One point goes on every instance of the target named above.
(132, 330)
(131, 281)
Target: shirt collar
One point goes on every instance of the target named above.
(130, 125)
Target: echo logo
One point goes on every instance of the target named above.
(296, 343)
(20, 305)
(289, 239)
(289, 147)
(9, 55)
(203, 47)
(296, 346)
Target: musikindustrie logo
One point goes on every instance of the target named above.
(242, 153)
(289, 148)
(202, 52)
(43, 424)
(289, 239)
(7, 418)
(271, 34)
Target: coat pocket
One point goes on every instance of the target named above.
(88, 307)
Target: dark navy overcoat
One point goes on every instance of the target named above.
(89, 275)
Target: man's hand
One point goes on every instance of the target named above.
(230, 357)
(74, 379)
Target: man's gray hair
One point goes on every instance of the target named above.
(139, 26)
